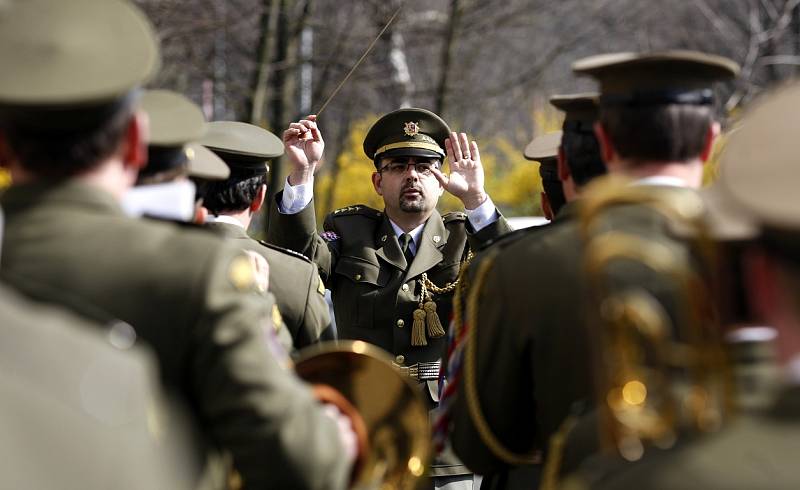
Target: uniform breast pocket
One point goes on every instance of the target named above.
(358, 288)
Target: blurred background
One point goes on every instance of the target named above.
(486, 66)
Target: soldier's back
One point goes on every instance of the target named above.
(64, 385)
(150, 274)
(196, 301)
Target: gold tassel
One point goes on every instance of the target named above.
(418, 330)
(435, 329)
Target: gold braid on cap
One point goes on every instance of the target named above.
(410, 144)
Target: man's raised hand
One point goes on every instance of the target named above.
(304, 146)
(466, 171)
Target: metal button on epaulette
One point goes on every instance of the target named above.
(400, 359)
(401, 323)
(404, 287)
(357, 277)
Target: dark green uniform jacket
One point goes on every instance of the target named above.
(62, 385)
(375, 291)
(533, 359)
(191, 297)
(293, 279)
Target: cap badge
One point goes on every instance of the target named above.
(411, 128)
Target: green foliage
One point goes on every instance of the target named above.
(711, 167)
(5, 178)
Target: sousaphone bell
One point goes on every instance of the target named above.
(395, 418)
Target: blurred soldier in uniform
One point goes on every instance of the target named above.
(577, 161)
(392, 271)
(61, 381)
(298, 289)
(166, 190)
(544, 149)
(63, 384)
(655, 126)
(163, 188)
(74, 141)
(757, 448)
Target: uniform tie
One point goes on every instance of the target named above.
(405, 246)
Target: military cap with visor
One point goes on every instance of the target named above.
(577, 107)
(176, 123)
(656, 78)
(72, 64)
(544, 148)
(408, 132)
(759, 169)
(244, 147)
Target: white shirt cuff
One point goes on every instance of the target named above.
(482, 216)
(296, 197)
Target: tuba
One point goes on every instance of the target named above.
(396, 450)
(660, 363)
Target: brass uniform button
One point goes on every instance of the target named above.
(400, 359)
(401, 323)
(405, 287)
(357, 277)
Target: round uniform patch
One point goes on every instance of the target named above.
(241, 273)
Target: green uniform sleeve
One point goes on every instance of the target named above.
(477, 240)
(256, 408)
(298, 232)
(316, 317)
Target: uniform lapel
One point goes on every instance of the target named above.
(429, 253)
(387, 246)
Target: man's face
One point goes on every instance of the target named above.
(407, 184)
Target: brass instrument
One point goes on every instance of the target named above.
(657, 373)
(392, 409)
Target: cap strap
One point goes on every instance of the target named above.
(665, 97)
(578, 126)
(162, 159)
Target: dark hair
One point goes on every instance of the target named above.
(582, 152)
(551, 185)
(674, 132)
(234, 194)
(62, 151)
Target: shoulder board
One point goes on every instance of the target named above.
(511, 237)
(287, 251)
(329, 236)
(454, 216)
(358, 209)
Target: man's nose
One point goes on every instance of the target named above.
(411, 172)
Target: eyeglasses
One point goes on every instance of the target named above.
(399, 168)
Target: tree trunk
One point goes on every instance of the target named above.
(269, 15)
(446, 54)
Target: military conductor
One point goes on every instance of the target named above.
(392, 272)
